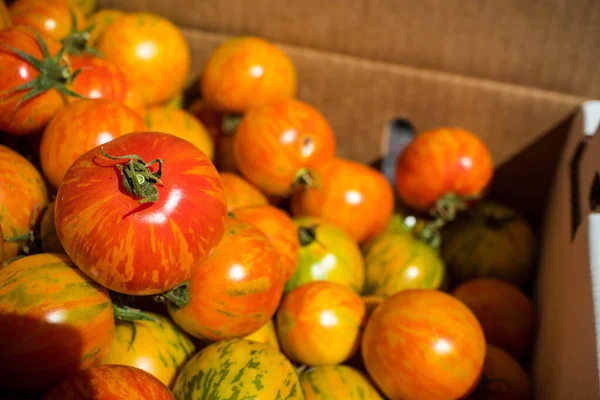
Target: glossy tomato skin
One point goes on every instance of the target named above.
(336, 382)
(440, 161)
(115, 240)
(49, 237)
(277, 141)
(151, 50)
(265, 334)
(507, 315)
(54, 320)
(152, 345)
(101, 20)
(50, 17)
(423, 344)
(23, 197)
(245, 72)
(110, 382)
(348, 189)
(78, 128)
(333, 256)
(320, 323)
(240, 192)
(32, 115)
(279, 228)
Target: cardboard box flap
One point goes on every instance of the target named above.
(552, 45)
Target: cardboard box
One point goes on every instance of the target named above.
(518, 73)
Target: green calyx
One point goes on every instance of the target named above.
(230, 123)
(307, 235)
(305, 180)
(179, 296)
(138, 180)
(76, 42)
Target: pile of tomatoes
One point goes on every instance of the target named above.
(156, 246)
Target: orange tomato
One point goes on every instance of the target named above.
(182, 124)
(151, 50)
(245, 72)
(320, 323)
(277, 145)
(348, 189)
(51, 17)
(240, 193)
(80, 127)
(423, 344)
(506, 314)
(4, 15)
(279, 228)
(101, 19)
(265, 334)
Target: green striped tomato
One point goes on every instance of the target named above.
(337, 382)
(54, 319)
(238, 369)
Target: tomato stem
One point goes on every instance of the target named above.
(307, 234)
(29, 237)
(179, 296)
(230, 214)
(306, 180)
(230, 123)
(77, 41)
(126, 313)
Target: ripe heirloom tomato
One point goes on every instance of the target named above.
(78, 128)
(235, 291)
(148, 344)
(148, 239)
(101, 20)
(442, 161)
(423, 344)
(320, 323)
(327, 253)
(181, 124)
(48, 236)
(241, 193)
(110, 382)
(279, 228)
(336, 382)
(54, 321)
(348, 189)
(265, 334)
(245, 72)
(277, 145)
(23, 197)
(50, 17)
(151, 50)
(506, 314)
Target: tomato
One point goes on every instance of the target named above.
(110, 382)
(151, 50)
(23, 196)
(181, 124)
(336, 382)
(49, 237)
(78, 128)
(241, 193)
(279, 228)
(265, 334)
(320, 323)
(50, 17)
(423, 344)
(102, 79)
(158, 347)
(401, 261)
(503, 378)
(347, 189)
(238, 368)
(507, 315)
(489, 241)
(4, 16)
(147, 241)
(277, 145)
(54, 321)
(101, 20)
(442, 161)
(327, 253)
(244, 72)
(235, 291)
(400, 222)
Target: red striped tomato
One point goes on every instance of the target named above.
(141, 240)
(241, 193)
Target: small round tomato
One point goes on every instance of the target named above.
(148, 344)
(110, 382)
(506, 314)
(439, 162)
(244, 72)
(181, 124)
(241, 193)
(54, 321)
(101, 20)
(327, 253)
(265, 334)
(336, 382)
(78, 128)
(423, 344)
(320, 323)
(279, 228)
(347, 189)
(141, 239)
(48, 236)
(151, 50)
(23, 197)
(235, 291)
(50, 17)
(277, 145)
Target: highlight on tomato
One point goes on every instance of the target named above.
(146, 186)
(337, 382)
(241, 193)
